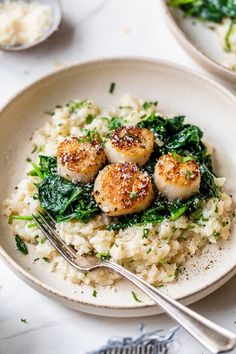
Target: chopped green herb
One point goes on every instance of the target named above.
(216, 234)
(176, 213)
(46, 259)
(23, 320)
(28, 159)
(133, 195)
(112, 87)
(188, 174)
(36, 171)
(191, 226)
(159, 286)
(36, 259)
(89, 135)
(178, 271)
(33, 224)
(145, 233)
(103, 256)
(227, 37)
(150, 104)
(196, 214)
(89, 119)
(149, 250)
(19, 217)
(41, 148)
(204, 219)
(94, 293)
(34, 149)
(114, 123)
(43, 240)
(20, 244)
(74, 106)
(182, 159)
(125, 107)
(135, 297)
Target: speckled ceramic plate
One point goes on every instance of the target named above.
(199, 41)
(178, 90)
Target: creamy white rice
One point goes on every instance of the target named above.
(156, 258)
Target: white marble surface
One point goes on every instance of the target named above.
(91, 29)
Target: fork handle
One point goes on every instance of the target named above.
(215, 338)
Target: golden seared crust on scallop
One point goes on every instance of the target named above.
(176, 179)
(130, 144)
(122, 188)
(80, 160)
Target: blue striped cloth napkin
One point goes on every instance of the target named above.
(153, 342)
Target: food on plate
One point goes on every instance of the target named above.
(79, 159)
(148, 211)
(23, 22)
(177, 177)
(218, 15)
(130, 144)
(122, 189)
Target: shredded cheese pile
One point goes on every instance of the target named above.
(22, 22)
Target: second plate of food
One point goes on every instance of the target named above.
(207, 31)
(134, 158)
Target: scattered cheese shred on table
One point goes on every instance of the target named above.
(22, 22)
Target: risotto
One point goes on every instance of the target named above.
(153, 242)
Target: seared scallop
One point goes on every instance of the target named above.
(176, 178)
(130, 144)
(122, 188)
(80, 160)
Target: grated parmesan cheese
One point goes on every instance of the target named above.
(22, 22)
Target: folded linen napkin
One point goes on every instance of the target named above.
(153, 342)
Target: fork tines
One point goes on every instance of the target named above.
(49, 230)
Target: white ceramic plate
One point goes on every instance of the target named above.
(179, 91)
(199, 41)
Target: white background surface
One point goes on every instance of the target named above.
(91, 29)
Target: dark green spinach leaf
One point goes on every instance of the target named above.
(67, 200)
(207, 10)
(20, 244)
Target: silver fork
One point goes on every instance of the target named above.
(215, 338)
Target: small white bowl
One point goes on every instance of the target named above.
(199, 42)
(56, 8)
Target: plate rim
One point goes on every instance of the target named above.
(41, 286)
(199, 56)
